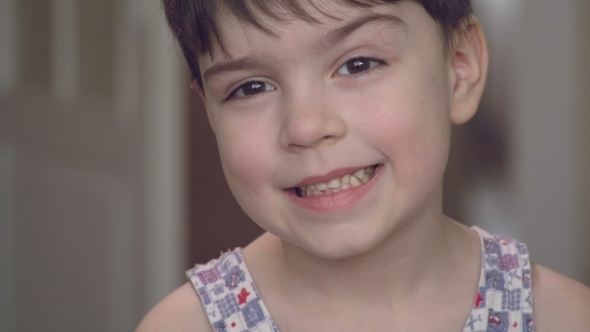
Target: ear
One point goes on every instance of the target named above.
(195, 87)
(469, 67)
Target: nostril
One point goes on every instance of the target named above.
(328, 137)
(307, 127)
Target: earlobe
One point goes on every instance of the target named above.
(195, 87)
(469, 65)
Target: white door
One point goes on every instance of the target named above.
(90, 164)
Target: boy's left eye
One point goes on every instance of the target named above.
(358, 65)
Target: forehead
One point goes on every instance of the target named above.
(274, 18)
(330, 23)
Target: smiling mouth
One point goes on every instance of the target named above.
(346, 182)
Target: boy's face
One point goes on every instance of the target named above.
(320, 102)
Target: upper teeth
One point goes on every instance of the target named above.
(352, 180)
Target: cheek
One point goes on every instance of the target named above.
(245, 154)
(413, 130)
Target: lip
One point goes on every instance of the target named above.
(337, 173)
(337, 201)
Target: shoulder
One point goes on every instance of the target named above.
(559, 303)
(180, 311)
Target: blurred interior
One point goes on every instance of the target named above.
(110, 181)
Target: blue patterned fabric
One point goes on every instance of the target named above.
(503, 302)
(229, 295)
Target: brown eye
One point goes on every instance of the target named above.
(251, 88)
(358, 65)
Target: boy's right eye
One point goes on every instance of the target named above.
(249, 89)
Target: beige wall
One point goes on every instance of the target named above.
(520, 166)
(584, 129)
(92, 190)
(547, 168)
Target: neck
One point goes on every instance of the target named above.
(411, 260)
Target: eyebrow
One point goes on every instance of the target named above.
(335, 36)
(245, 63)
(330, 39)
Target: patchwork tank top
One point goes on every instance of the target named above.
(503, 302)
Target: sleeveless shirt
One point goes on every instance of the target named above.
(503, 302)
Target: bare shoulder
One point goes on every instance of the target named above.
(559, 303)
(180, 311)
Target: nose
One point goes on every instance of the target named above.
(310, 120)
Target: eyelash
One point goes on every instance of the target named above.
(232, 95)
(380, 63)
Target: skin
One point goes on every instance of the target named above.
(382, 261)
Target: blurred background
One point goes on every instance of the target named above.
(110, 182)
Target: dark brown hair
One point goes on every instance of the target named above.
(195, 22)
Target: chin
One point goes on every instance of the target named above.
(343, 247)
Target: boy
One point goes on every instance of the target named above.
(333, 122)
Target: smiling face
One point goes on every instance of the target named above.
(333, 135)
